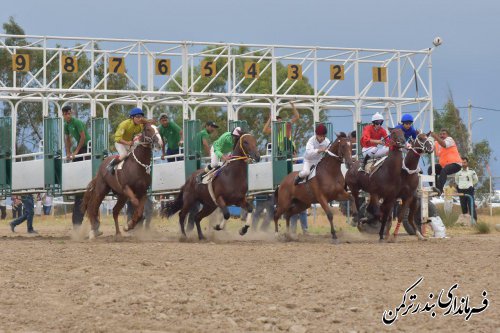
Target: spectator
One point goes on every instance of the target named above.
(17, 206)
(264, 207)
(302, 216)
(204, 135)
(171, 134)
(465, 180)
(3, 209)
(449, 158)
(47, 203)
(28, 212)
(354, 144)
(76, 129)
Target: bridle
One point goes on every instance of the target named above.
(419, 145)
(245, 156)
(147, 141)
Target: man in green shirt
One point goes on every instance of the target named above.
(205, 134)
(171, 134)
(74, 128)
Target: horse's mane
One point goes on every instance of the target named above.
(341, 135)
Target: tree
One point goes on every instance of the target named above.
(449, 118)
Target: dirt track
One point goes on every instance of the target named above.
(153, 283)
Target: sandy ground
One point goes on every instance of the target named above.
(151, 282)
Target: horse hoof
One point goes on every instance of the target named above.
(335, 241)
(244, 230)
(94, 234)
(381, 240)
(217, 227)
(183, 238)
(202, 238)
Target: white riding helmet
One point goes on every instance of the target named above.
(237, 131)
(377, 116)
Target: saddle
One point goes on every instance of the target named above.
(374, 164)
(212, 174)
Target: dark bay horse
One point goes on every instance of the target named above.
(230, 187)
(383, 184)
(328, 185)
(409, 182)
(129, 183)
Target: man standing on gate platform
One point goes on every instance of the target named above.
(171, 134)
(75, 128)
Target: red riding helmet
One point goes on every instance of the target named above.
(321, 129)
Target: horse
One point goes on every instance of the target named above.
(328, 185)
(131, 182)
(382, 184)
(229, 187)
(410, 180)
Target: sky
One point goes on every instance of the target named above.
(467, 64)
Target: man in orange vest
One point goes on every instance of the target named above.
(450, 161)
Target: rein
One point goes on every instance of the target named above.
(237, 157)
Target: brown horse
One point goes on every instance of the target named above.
(409, 181)
(230, 187)
(328, 185)
(382, 184)
(129, 183)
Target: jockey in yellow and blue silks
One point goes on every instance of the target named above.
(124, 136)
(407, 127)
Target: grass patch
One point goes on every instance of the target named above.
(482, 228)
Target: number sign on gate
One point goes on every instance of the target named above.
(252, 70)
(336, 72)
(116, 65)
(379, 74)
(69, 64)
(294, 72)
(21, 62)
(162, 66)
(208, 68)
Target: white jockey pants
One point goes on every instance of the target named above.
(122, 149)
(306, 168)
(375, 152)
(214, 160)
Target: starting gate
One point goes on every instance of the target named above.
(99, 143)
(52, 134)
(5, 156)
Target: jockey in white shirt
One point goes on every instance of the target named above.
(316, 145)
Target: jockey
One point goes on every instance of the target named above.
(316, 145)
(372, 140)
(125, 134)
(407, 127)
(223, 145)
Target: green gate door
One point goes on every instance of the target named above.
(52, 155)
(5, 156)
(282, 152)
(192, 146)
(99, 143)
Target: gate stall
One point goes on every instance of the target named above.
(187, 75)
(5, 156)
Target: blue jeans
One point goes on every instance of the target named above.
(263, 203)
(303, 221)
(28, 212)
(46, 210)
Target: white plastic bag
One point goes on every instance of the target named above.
(438, 227)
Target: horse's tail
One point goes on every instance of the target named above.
(173, 207)
(89, 193)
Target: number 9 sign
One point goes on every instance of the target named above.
(20, 62)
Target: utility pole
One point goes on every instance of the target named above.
(469, 126)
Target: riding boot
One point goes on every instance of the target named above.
(202, 174)
(111, 166)
(362, 165)
(297, 180)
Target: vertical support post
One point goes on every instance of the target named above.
(185, 68)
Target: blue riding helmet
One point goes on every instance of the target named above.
(136, 111)
(407, 118)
